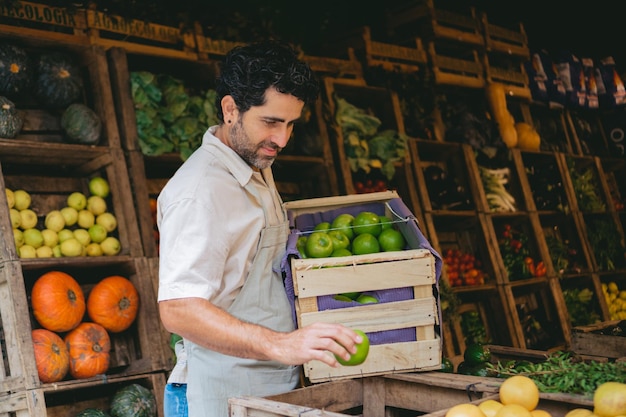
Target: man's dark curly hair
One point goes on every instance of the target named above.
(248, 71)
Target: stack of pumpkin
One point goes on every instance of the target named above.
(59, 307)
(54, 79)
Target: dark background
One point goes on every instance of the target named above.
(592, 29)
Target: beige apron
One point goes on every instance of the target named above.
(214, 377)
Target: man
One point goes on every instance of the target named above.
(223, 233)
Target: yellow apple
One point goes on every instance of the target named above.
(50, 238)
(70, 214)
(96, 204)
(28, 219)
(108, 220)
(21, 199)
(54, 220)
(77, 200)
(86, 219)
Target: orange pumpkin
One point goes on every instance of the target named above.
(113, 303)
(58, 301)
(51, 355)
(89, 349)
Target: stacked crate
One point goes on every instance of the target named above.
(43, 163)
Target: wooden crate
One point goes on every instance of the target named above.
(506, 40)
(42, 124)
(17, 367)
(50, 173)
(70, 400)
(403, 326)
(602, 340)
(428, 393)
(377, 101)
(24, 19)
(23, 404)
(139, 36)
(427, 19)
(456, 66)
(133, 351)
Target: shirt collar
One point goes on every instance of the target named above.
(237, 166)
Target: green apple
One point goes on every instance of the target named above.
(98, 186)
(339, 238)
(98, 233)
(44, 252)
(319, 245)
(55, 221)
(70, 214)
(77, 200)
(28, 219)
(16, 218)
(86, 219)
(21, 200)
(33, 237)
(322, 227)
(362, 350)
(96, 204)
(83, 236)
(301, 245)
(18, 238)
(56, 251)
(391, 240)
(366, 299)
(71, 247)
(27, 251)
(65, 234)
(108, 220)
(367, 222)
(341, 252)
(386, 222)
(343, 223)
(50, 238)
(111, 246)
(94, 249)
(10, 197)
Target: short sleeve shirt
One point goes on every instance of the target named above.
(210, 225)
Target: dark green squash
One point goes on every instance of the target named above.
(81, 125)
(16, 71)
(92, 412)
(59, 81)
(11, 120)
(133, 400)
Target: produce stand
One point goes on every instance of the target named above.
(427, 393)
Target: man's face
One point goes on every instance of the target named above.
(262, 132)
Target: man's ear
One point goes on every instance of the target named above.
(229, 108)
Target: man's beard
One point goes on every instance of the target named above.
(241, 144)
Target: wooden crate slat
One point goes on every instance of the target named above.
(139, 36)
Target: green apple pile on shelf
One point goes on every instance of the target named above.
(82, 228)
(347, 235)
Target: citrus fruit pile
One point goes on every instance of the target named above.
(82, 227)
(518, 397)
(347, 235)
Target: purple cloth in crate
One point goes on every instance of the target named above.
(415, 240)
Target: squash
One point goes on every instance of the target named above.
(496, 98)
(89, 347)
(81, 125)
(92, 412)
(133, 400)
(113, 303)
(59, 82)
(527, 137)
(58, 301)
(11, 120)
(51, 356)
(16, 71)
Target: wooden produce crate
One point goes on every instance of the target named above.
(403, 326)
(70, 400)
(602, 340)
(506, 40)
(139, 36)
(42, 124)
(17, 367)
(23, 404)
(50, 173)
(456, 66)
(508, 71)
(428, 393)
(348, 67)
(133, 351)
(376, 101)
(24, 19)
(427, 18)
